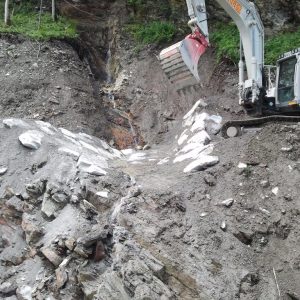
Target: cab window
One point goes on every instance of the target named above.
(286, 80)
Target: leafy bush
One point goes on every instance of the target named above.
(25, 21)
(226, 39)
(153, 32)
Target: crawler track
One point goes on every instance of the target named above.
(257, 121)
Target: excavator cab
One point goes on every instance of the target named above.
(288, 80)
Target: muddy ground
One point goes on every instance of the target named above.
(173, 238)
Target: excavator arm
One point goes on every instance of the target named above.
(189, 51)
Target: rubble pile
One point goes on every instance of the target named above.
(62, 232)
(57, 235)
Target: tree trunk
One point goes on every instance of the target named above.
(6, 13)
(53, 11)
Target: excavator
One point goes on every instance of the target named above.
(259, 93)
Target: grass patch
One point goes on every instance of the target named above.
(155, 32)
(279, 44)
(226, 40)
(25, 21)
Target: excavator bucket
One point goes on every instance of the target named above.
(180, 61)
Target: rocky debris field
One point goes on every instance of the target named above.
(176, 212)
(81, 220)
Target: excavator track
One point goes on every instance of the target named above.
(233, 128)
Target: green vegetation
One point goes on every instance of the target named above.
(281, 43)
(25, 21)
(154, 32)
(153, 22)
(226, 40)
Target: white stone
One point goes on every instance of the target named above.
(199, 123)
(137, 156)
(190, 113)
(127, 152)
(24, 292)
(287, 149)
(227, 202)
(88, 160)
(94, 170)
(46, 127)
(3, 170)
(189, 147)
(216, 119)
(103, 194)
(201, 137)
(189, 121)
(74, 154)
(84, 135)
(202, 215)
(163, 161)
(201, 163)
(15, 123)
(275, 191)
(183, 137)
(193, 154)
(67, 133)
(223, 226)
(88, 146)
(92, 164)
(242, 165)
(265, 211)
(107, 154)
(31, 139)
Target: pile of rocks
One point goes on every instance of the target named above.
(59, 216)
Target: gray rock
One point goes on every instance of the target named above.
(201, 163)
(31, 139)
(32, 228)
(146, 147)
(10, 123)
(92, 237)
(49, 207)
(8, 288)
(70, 243)
(16, 204)
(88, 208)
(52, 256)
(135, 191)
(36, 188)
(61, 277)
(154, 264)
(93, 166)
(107, 286)
(265, 183)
